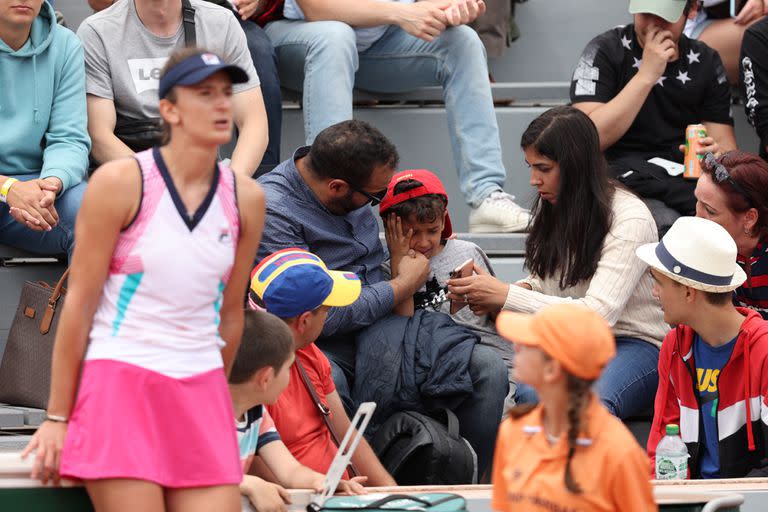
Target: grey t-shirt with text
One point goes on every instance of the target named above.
(123, 58)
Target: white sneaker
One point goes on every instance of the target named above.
(498, 213)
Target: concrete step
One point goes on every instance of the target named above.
(14, 443)
(511, 94)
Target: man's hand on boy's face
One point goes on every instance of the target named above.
(267, 497)
(414, 267)
(398, 242)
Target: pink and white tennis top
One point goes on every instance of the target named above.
(160, 306)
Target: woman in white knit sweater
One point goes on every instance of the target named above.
(582, 240)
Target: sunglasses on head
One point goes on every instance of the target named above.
(721, 174)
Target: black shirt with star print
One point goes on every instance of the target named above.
(693, 89)
(753, 71)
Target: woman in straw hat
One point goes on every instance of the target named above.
(713, 367)
(581, 249)
(154, 313)
(567, 453)
(732, 192)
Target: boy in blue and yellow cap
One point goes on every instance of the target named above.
(296, 286)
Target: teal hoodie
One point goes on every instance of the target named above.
(43, 122)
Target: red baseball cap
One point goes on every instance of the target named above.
(430, 184)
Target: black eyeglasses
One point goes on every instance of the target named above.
(374, 198)
(721, 174)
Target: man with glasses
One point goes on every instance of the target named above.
(318, 200)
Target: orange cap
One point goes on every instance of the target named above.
(576, 336)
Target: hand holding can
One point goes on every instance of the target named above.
(693, 135)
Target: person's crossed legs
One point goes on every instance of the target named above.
(321, 59)
(265, 62)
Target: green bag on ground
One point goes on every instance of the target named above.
(429, 502)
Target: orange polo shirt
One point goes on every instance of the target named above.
(609, 465)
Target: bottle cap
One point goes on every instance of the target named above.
(673, 430)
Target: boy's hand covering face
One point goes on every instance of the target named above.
(399, 243)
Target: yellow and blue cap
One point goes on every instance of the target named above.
(293, 281)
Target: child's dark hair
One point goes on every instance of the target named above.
(267, 341)
(426, 208)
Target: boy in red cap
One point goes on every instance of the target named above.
(568, 452)
(415, 215)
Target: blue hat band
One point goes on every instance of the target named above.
(676, 267)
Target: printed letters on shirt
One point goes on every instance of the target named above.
(146, 73)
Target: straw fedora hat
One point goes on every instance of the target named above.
(698, 253)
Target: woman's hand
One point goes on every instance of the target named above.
(484, 293)
(48, 441)
(352, 486)
(752, 10)
(398, 243)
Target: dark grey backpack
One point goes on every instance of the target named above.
(418, 449)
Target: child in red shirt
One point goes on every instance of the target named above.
(296, 286)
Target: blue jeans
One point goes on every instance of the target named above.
(321, 59)
(628, 384)
(59, 240)
(479, 414)
(265, 62)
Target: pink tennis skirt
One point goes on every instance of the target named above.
(129, 422)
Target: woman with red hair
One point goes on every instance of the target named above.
(731, 192)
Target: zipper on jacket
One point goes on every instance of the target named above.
(694, 385)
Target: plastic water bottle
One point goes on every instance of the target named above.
(671, 456)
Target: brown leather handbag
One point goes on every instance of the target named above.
(25, 372)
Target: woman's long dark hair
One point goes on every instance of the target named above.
(566, 238)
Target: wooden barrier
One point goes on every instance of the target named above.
(18, 491)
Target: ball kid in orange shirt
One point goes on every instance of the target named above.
(568, 453)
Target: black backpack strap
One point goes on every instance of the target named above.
(402, 435)
(325, 412)
(453, 424)
(188, 18)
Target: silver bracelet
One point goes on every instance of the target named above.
(56, 419)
